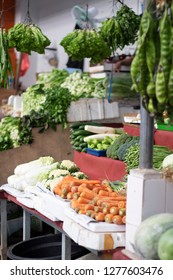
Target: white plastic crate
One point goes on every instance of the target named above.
(87, 109)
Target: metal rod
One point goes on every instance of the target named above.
(146, 139)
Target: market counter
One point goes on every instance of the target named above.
(100, 167)
(161, 137)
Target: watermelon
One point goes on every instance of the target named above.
(148, 234)
(165, 245)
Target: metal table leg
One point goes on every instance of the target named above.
(26, 225)
(66, 247)
(3, 247)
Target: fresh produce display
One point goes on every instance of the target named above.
(14, 133)
(77, 135)
(53, 110)
(86, 43)
(159, 154)
(94, 199)
(44, 170)
(6, 70)
(35, 96)
(151, 68)
(27, 37)
(120, 30)
(81, 85)
(112, 151)
(150, 233)
(97, 143)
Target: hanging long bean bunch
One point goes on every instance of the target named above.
(5, 61)
(152, 67)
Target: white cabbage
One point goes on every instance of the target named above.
(23, 168)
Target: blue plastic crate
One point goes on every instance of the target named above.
(97, 153)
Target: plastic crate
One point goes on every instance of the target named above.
(165, 127)
(97, 153)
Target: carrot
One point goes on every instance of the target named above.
(98, 209)
(114, 210)
(122, 212)
(124, 219)
(96, 189)
(74, 189)
(89, 212)
(65, 189)
(100, 217)
(75, 195)
(89, 207)
(103, 193)
(57, 190)
(70, 195)
(106, 210)
(108, 218)
(109, 204)
(87, 195)
(83, 187)
(107, 201)
(117, 219)
(121, 204)
(83, 200)
(82, 212)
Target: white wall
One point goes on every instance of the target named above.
(55, 19)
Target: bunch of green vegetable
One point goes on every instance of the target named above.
(27, 37)
(120, 30)
(152, 66)
(14, 133)
(100, 144)
(5, 61)
(35, 95)
(53, 110)
(112, 151)
(132, 156)
(124, 147)
(81, 85)
(86, 43)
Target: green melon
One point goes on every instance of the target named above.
(165, 245)
(149, 232)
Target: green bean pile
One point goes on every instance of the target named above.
(5, 61)
(133, 153)
(152, 66)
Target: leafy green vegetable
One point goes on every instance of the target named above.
(81, 85)
(13, 133)
(120, 30)
(112, 151)
(5, 61)
(124, 148)
(86, 43)
(27, 37)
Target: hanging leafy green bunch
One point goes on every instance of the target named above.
(121, 30)
(86, 43)
(27, 37)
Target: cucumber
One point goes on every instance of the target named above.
(77, 125)
(149, 232)
(82, 132)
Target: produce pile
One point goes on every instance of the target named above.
(27, 37)
(45, 170)
(14, 133)
(127, 149)
(120, 30)
(81, 85)
(6, 70)
(86, 43)
(92, 135)
(154, 237)
(152, 66)
(93, 198)
(115, 32)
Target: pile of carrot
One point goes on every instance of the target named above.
(94, 199)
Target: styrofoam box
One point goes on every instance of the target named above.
(93, 240)
(92, 109)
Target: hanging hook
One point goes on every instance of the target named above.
(28, 19)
